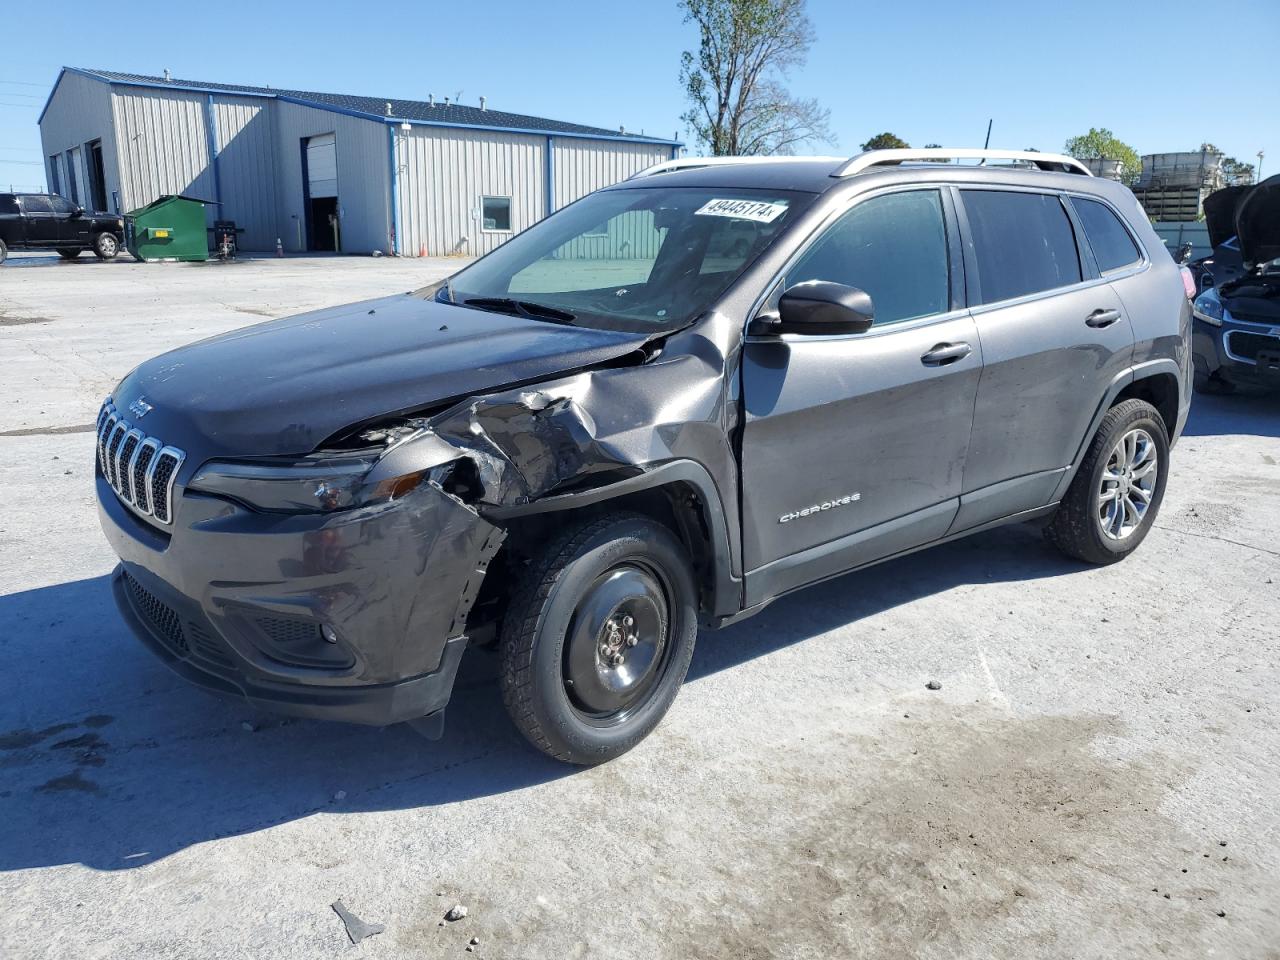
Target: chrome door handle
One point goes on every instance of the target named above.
(1102, 318)
(945, 353)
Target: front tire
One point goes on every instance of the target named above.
(106, 246)
(4, 252)
(598, 637)
(1116, 494)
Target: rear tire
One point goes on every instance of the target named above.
(4, 252)
(1115, 496)
(69, 254)
(598, 637)
(106, 246)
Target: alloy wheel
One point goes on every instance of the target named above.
(1128, 484)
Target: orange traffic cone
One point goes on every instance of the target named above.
(422, 250)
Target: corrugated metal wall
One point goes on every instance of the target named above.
(582, 166)
(80, 112)
(445, 173)
(163, 144)
(246, 145)
(364, 175)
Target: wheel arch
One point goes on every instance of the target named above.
(681, 494)
(1158, 379)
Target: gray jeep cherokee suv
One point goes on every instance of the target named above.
(667, 404)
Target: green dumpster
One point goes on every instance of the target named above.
(170, 228)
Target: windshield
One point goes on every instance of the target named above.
(644, 259)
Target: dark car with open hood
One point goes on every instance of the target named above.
(46, 221)
(664, 406)
(1237, 318)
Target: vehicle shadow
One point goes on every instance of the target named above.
(111, 761)
(1251, 413)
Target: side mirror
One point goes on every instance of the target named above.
(819, 306)
(77, 213)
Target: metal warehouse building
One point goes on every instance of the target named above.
(322, 171)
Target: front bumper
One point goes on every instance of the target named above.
(357, 616)
(1231, 352)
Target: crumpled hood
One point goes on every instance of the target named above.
(285, 386)
(1258, 222)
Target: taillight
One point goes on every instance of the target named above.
(1188, 283)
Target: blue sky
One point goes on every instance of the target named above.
(929, 70)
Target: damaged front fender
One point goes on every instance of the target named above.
(585, 438)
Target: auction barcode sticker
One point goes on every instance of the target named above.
(760, 211)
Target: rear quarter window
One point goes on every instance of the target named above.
(1024, 243)
(1111, 243)
(8, 204)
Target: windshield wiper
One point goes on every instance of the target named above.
(521, 308)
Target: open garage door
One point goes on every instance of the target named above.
(323, 227)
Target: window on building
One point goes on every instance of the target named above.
(495, 213)
(55, 181)
(894, 247)
(1023, 241)
(1112, 246)
(73, 187)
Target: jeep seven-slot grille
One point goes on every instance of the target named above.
(140, 469)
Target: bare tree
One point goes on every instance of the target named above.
(734, 82)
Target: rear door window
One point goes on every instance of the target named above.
(1111, 243)
(1024, 243)
(35, 204)
(894, 247)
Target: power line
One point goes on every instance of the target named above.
(25, 163)
(24, 106)
(22, 83)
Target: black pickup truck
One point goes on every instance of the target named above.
(46, 221)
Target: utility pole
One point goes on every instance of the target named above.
(1261, 154)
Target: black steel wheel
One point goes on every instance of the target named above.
(598, 637)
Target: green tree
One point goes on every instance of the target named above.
(1100, 142)
(734, 82)
(886, 141)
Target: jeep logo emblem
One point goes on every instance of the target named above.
(140, 408)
